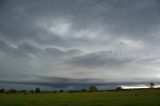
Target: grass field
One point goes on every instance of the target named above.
(118, 98)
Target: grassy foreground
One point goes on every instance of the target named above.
(118, 98)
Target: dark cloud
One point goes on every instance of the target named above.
(10, 50)
(99, 59)
(56, 82)
(133, 19)
(4, 45)
(65, 86)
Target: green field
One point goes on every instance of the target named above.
(117, 98)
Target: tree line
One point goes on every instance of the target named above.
(37, 90)
(91, 88)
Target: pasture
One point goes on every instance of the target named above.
(149, 97)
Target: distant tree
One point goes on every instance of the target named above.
(23, 90)
(83, 90)
(37, 90)
(12, 91)
(54, 91)
(70, 91)
(119, 88)
(92, 88)
(2, 90)
(31, 91)
(151, 84)
(61, 90)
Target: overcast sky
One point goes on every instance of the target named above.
(79, 41)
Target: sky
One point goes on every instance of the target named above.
(49, 42)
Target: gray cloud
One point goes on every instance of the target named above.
(115, 40)
(99, 59)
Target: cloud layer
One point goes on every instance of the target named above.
(108, 40)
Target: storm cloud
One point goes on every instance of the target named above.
(79, 40)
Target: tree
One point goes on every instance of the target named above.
(23, 90)
(151, 84)
(12, 91)
(83, 90)
(119, 88)
(92, 88)
(2, 90)
(31, 91)
(61, 90)
(37, 90)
